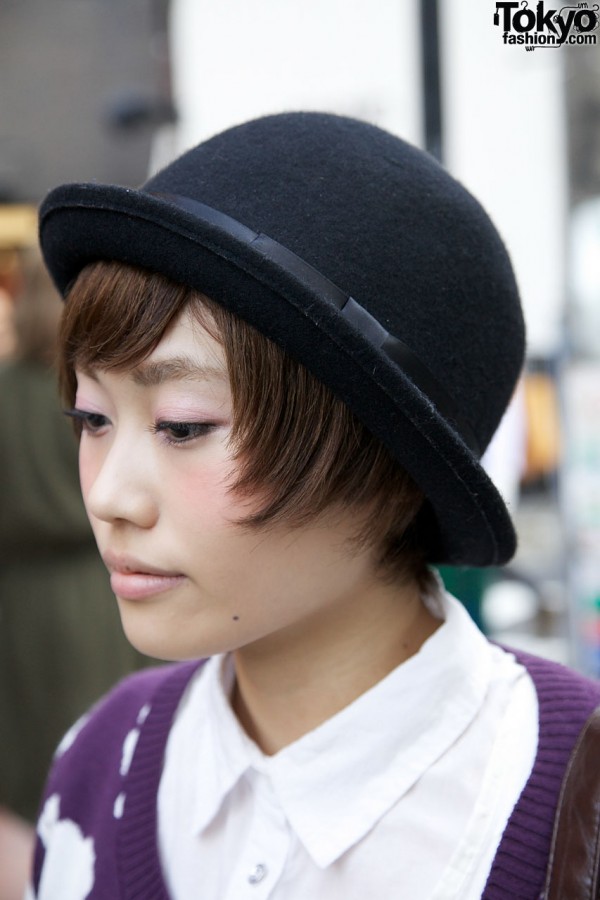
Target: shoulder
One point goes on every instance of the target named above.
(87, 788)
(566, 699)
(96, 749)
(567, 692)
(100, 731)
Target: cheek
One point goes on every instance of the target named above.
(88, 468)
(199, 495)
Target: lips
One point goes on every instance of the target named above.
(133, 579)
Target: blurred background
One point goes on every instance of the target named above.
(110, 90)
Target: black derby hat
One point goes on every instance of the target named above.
(361, 257)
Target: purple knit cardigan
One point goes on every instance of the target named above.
(104, 787)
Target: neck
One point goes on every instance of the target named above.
(291, 682)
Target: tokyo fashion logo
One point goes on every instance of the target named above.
(547, 27)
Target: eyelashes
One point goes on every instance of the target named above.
(173, 433)
(182, 432)
(91, 423)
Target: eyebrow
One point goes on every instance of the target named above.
(175, 368)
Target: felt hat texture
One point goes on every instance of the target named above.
(361, 257)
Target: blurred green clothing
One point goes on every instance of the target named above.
(61, 643)
(469, 585)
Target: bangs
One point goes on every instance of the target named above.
(114, 317)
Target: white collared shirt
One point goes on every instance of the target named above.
(404, 793)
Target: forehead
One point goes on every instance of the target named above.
(186, 347)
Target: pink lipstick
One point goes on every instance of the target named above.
(132, 579)
(138, 585)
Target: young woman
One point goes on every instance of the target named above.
(284, 356)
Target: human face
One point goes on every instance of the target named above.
(156, 470)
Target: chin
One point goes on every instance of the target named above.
(163, 650)
(153, 639)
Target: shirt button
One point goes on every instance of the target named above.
(257, 874)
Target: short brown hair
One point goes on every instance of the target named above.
(295, 443)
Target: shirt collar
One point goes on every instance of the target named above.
(336, 782)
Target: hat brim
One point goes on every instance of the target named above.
(82, 223)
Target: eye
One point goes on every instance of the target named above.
(182, 432)
(88, 422)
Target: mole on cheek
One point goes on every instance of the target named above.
(236, 618)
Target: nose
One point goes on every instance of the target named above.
(121, 486)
